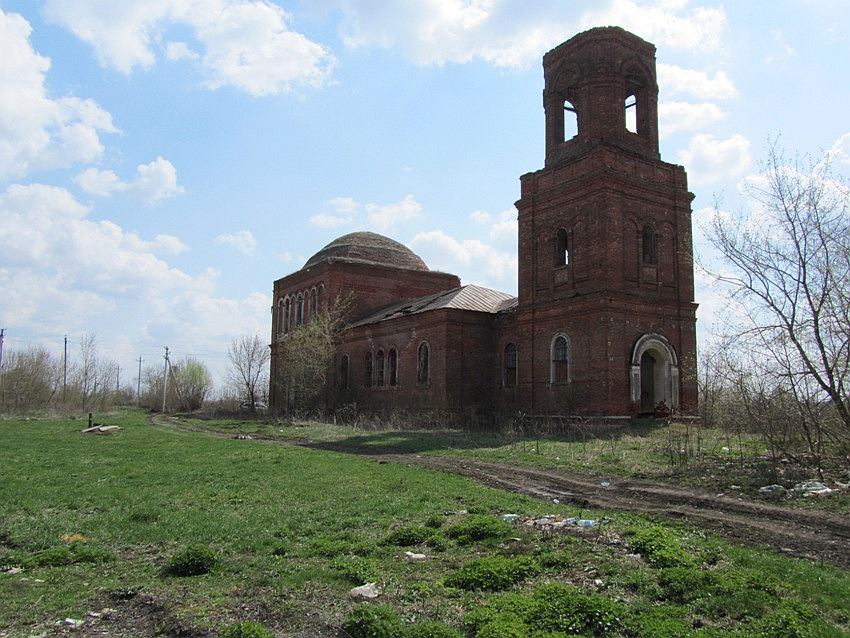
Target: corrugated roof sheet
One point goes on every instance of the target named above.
(470, 297)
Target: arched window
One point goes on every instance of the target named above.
(392, 367)
(319, 292)
(559, 358)
(299, 310)
(287, 314)
(635, 102)
(281, 308)
(422, 363)
(649, 240)
(313, 304)
(570, 121)
(510, 366)
(379, 368)
(343, 372)
(368, 372)
(562, 253)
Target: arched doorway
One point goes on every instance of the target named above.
(654, 374)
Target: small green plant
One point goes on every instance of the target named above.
(503, 627)
(478, 528)
(435, 521)
(193, 560)
(407, 536)
(660, 547)
(355, 570)
(326, 547)
(438, 542)
(564, 608)
(492, 573)
(431, 630)
(373, 621)
(71, 555)
(246, 629)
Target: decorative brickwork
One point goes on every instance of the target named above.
(604, 324)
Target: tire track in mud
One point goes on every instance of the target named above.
(809, 534)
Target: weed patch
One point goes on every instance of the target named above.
(478, 528)
(246, 629)
(660, 547)
(194, 560)
(373, 621)
(407, 536)
(492, 573)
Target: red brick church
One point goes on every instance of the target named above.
(605, 321)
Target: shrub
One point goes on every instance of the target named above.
(326, 547)
(503, 627)
(358, 571)
(438, 542)
(72, 554)
(246, 629)
(492, 573)
(431, 630)
(477, 528)
(193, 560)
(373, 621)
(435, 522)
(506, 606)
(567, 609)
(791, 620)
(660, 547)
(407, 536)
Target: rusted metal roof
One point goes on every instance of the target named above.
(470, 297)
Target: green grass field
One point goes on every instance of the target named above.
(89, 521)
(710, 459)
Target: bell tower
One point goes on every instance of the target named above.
(605, 256)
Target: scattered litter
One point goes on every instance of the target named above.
(605, 483)
(101, 429)
(73, 623)
(12, 571)
(556, 501)
(813, 488)
(415, 557)
(367, 592)
(93, 614)
(552, 522)
(598, 583)
(76, 537)
(510, 518)
(772, 490)
(462, 513)
(734, 487)
(724, 449)
(244, 437)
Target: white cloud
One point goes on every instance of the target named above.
(507, 34)
(246, 44)
(242, 240)
(175, 51)
(36, 131)
(323, 220)
(481, 217)
(670, 23)
(709, 160)
(385, 217)
(676, 80)
(86, 272)
(153, 183)
(506, 228)
(686, 116)
(472, 257)
(382, 217)
(839, 153)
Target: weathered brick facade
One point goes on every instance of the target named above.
(604, 323)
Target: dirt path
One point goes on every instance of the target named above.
(809, 534)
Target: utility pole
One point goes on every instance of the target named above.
(65, 373)
(165, 379)
(2, 334)
(139, 381)
(117, 378)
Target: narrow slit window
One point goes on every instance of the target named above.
(299, 310)
(379, 368)
(287, 314)
(510, 365)
(649, 246)
(392, 367)
(313, 304)
(630, 106)
(368, 373)
(570, 121)
(422, 364)
(562, 252)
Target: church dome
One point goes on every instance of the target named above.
(368, 248)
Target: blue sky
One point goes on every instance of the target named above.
(163, 162)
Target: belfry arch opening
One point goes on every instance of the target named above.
(654, 374)
(635, 103)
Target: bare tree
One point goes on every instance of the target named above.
(306, 357)
(789, 259)
(249, 358)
